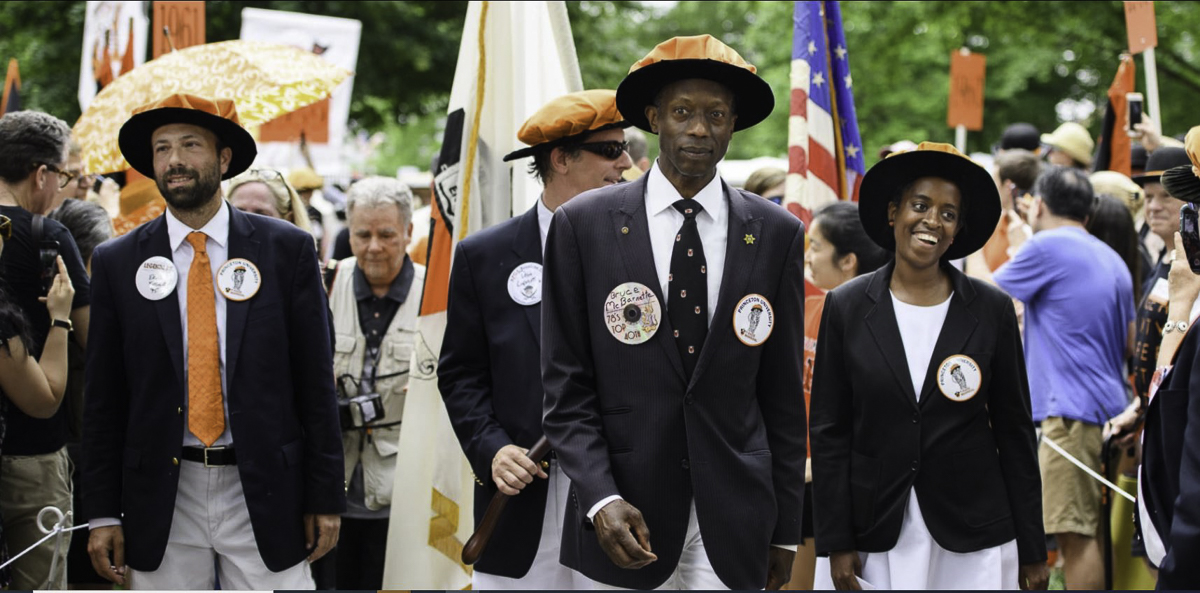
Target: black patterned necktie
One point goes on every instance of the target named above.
(687, 298)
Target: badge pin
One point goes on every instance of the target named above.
(959, 378)
(632, 313)
(749, 239)
(238, 279)
(156, 278)
(753, 319)
(525, 284)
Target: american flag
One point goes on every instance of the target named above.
(824, 149)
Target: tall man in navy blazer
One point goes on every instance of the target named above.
(672, 338)
(490, 368)
(211, 426)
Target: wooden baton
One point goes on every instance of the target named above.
(479, 540)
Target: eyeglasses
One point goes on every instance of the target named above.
(5, 227)
(64, 177)
(609, 150)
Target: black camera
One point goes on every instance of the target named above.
(356, 412)
(1189, 231)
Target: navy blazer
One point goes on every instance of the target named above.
(973, 463)
(1170, 476)
(490, 378)
(279, 375)
(625, 420)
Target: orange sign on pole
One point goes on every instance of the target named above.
(1139, 24)
(312, 121)
(966, 90)
(185, 20)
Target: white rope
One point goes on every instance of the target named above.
(55, 531)
(1080, 465)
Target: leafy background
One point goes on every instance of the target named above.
(1044, 61)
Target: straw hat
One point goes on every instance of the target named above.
(1074, 140)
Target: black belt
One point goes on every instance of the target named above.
(210, 456)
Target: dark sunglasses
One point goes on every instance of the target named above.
(5, 227)
(609, 150)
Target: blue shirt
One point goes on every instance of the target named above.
(1078, 297)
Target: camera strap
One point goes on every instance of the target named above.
(38, 224)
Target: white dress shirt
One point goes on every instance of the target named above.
(217, 247)
(665, 222)
(545, 217)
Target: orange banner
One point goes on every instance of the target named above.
(967, 72)
(1140, 25)
(313, 121)
(185, 21)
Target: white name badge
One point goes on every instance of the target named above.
(632, 313)
(525, 284)
(753, 319)
(238, 279)
(959, 378)
(156, 278)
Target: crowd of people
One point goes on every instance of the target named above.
(675, 381)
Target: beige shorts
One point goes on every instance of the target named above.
(1070, 497)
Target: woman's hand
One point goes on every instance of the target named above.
(62, 294)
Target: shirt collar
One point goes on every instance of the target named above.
(217, 228)
(398, 291)
(545, 216)
(660, 194)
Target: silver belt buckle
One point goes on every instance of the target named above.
(206, 450)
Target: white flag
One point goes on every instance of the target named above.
(514, 58)
(106, 41)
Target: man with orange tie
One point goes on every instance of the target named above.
(211, 426)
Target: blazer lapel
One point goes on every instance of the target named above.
(631, 231)
(527, 246)
(881, 322)
(956, 330)
(156, 241)
(243, 245)
(739, 265)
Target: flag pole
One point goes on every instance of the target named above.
(960, 131)
(1152, 87)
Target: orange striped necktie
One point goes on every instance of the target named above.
(206, 413)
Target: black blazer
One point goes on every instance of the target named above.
(279, 376)
(490, 378)
(973, 463)
(1170, 477)
(624, 420)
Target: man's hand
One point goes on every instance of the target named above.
(512, 469)
(1124, 424)
(844, 569)
(1033, 577)
(779, 567)
(321, 530)
(613, 523)
(103, 541)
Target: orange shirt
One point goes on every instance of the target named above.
(814, 304)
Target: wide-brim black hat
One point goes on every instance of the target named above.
(701, 56)
(1181, 182)
(980, 198)
(1159, 161)
(219, 117)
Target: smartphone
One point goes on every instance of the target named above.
(1133, 110)
(48, 258)
(1189, 230)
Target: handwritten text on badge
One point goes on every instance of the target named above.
(632, 313)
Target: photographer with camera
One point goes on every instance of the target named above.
(375, 297)
(34, 472)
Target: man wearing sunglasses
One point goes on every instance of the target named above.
(33, 147)
(672, 333)
(490, 373)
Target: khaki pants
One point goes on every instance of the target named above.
(27, 485)
(1070, 497)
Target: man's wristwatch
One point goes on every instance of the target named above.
(1179, 326)
(67, 325)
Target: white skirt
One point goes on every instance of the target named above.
(918, 562)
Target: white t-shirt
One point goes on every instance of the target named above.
(919, 331)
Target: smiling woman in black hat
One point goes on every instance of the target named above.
(925, 467)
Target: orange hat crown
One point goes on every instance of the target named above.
(569, 115)
(696, 47)
(223, 108)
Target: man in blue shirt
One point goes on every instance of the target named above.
(1079, 311)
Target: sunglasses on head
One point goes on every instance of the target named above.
(610, 150)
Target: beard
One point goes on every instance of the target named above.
(204, 187)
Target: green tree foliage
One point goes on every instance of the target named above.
(1038, 54)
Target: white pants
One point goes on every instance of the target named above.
(546, 572)
(211, 537)
(694, 571)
